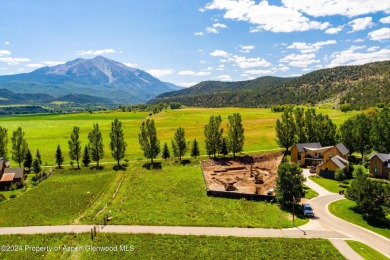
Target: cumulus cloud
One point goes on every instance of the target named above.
(14, 61)
(260, 72)
(188, 84)
(6, 43)
(352, 57)
(373, 48)
(246, 48)
(219, 53)
(96, 52)
(348, 8)
(385, 19)
(266, 17)
(131, 65)
(360, 24)
(44, 63)
(199, 33)
(193, 73)
(160, 72)
(300, 60)
(334, 30)
(215, 28)
(224, 78)
(310, 47)
(379, 35)
(245, 63)
(4, 52)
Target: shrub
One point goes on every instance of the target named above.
(12, 196)
(2, 198)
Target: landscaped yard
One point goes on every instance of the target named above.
(328, 184)
(309, 193)
(343, 210)
(365, 251)
(148, 246)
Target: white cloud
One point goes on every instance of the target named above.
(310, 47)
(219, 53)
(193, 73)
(350, 57)
(208, 68)
(188, 84)
(6, 43)
(245, 63)
(4, 52)
(373, 48)
(14, 61)
(283, 68)
(359, 40)
(224, 78)
(300, 60)
(215, 28)
(348, 8)
(246, 48)
(266, 17)
(35, 65)
(385, 19)
(96, 52)
(160, 72)
(360, 24)
(379, 35)
(44, 63)
(199, 33)
(334, 30)
(131, 65)
(260, 72)
(221, 67)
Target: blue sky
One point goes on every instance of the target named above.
(187, 41)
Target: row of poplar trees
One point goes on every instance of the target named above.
(214, 140)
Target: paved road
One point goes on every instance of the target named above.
(326, 221)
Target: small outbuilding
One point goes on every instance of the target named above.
(327, 168)
(380, 165)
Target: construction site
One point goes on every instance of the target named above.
(254, 174)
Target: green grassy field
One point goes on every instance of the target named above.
(148, 246)
(365, 251)
(44, 132)
(309, 193)
(342, 209)
(328, 184)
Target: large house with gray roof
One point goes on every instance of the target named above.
(10, 175)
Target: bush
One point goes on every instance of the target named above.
(12, 196)
(345, 107)
(2, 198)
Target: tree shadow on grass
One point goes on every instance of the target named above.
(97, 168)
(377, 219)
(121, 167)
(152, 166)
(185, 162)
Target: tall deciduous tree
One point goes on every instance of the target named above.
(95, 146)
(19, 146)
(299, 114)
(285, 131)
(362, 133)
(86, 157)
(118, 144)
(213, 133)
(59, 157)
(380, 132)
(325, 130)
(165, 154)
(235, 134)
(148, 141)
(195, 149)
(224, 150)
(28, 160)
(289, 184)
(180, 142)
(346, 135)
(310, 125)
(3, 142)
(74, 145)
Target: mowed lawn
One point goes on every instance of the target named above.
(45, 132)
(149, 246)
(176, 196)
(60, 199)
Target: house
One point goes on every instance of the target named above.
(380, 165)
(10, 175)
(338, 149)
(328, 167)
(302, 153)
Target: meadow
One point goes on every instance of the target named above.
(45, 132)
(148, 246)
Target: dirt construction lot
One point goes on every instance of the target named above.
(249, 174)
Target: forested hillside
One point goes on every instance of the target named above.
(361, 86)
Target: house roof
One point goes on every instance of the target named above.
(7, 177)
(338, 161)
(301, 146)
(17, 171)
(5, 161)
(343, 150)
(384, 157)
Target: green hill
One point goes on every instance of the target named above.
(361, 86)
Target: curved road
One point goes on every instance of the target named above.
(324, 220)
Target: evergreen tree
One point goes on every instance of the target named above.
(86, 157)
(165, 154)
(148, 141)
(289, 184)
(38, 155)
(235, 134)
(224, 148)
(213, 133)
(59, 157)
(380, 132)
(3, 142)
(95, 145)
(74, 145)
(118, 143)
(28, 160)
(195, 149)
(19, 146)
(36, 165)
(180, 142)
(285, 131)
(175, 149)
